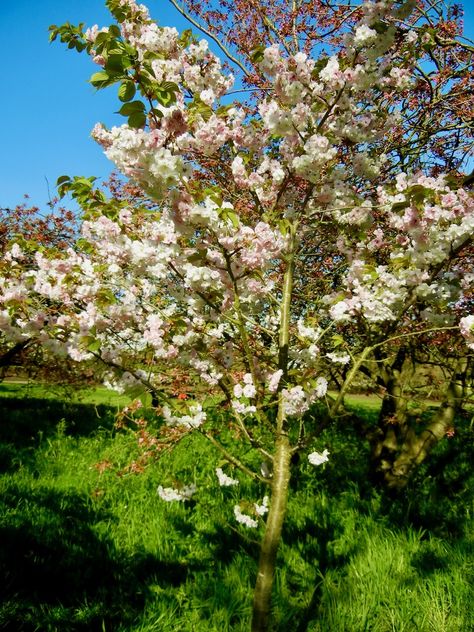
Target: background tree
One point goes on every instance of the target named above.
(31, 230)
(435, 131)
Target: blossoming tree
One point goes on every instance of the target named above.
(429, 135)
(24, 230)
(271, 246)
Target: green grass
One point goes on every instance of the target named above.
(88, 548)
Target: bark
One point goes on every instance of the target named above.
(392, 417)
(272, 536)
(416, 447)
(398, 446)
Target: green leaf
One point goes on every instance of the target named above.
(400, 206)
(380, 27)
(197, 107)
(86, 182)
(257, 54)
(127, 91)
(197, 257)
(114, 63)
(130, 108)
(54, 31)
(169, 86)
(94, 346)
(224, 109)
(114, 30)
(165, 97)
(62, 179)
(337, 340)
(137, 119)
(129, 50)
(100, 40)
(100, 79)
(225, 214)
(284, 226)
(418, 192)
(186, 38)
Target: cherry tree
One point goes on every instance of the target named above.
(435, 133)
(280, 230)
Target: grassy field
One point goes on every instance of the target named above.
(86, 546)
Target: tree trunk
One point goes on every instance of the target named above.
(392, 418)
(397, 447)
(281, 464)
(416, 447)
(272, 536)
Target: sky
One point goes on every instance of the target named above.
(47, 107)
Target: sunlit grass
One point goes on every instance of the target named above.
(87, 395)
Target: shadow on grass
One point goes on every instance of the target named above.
(24, 418)
(437, 502)
(317, 537)
(26, 421)
(59, 574)
(440, 496)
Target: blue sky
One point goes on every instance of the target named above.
(47, 108)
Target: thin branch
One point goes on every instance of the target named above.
(234, 460)
(215, 39)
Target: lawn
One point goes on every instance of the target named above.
(85, 544)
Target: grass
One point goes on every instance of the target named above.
(84, 548)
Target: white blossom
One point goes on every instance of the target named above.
(274, 380)
(224, 480)
(194, 419)
(262, 509)
(244, 519)
(339, 357)
(318, 458)
(466, 326)
(170, 494)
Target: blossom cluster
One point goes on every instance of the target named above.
(297, 400)
(170, 494)
(318, 458)
(466, 325)
(224, 479)
(195, 418)
(428, 222)
(259, 510)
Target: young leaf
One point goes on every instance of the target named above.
(114, 30)
(62, 179)
(165, 98)
(100, 79)
(127, 91)
(114, 63)
(257, 54)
